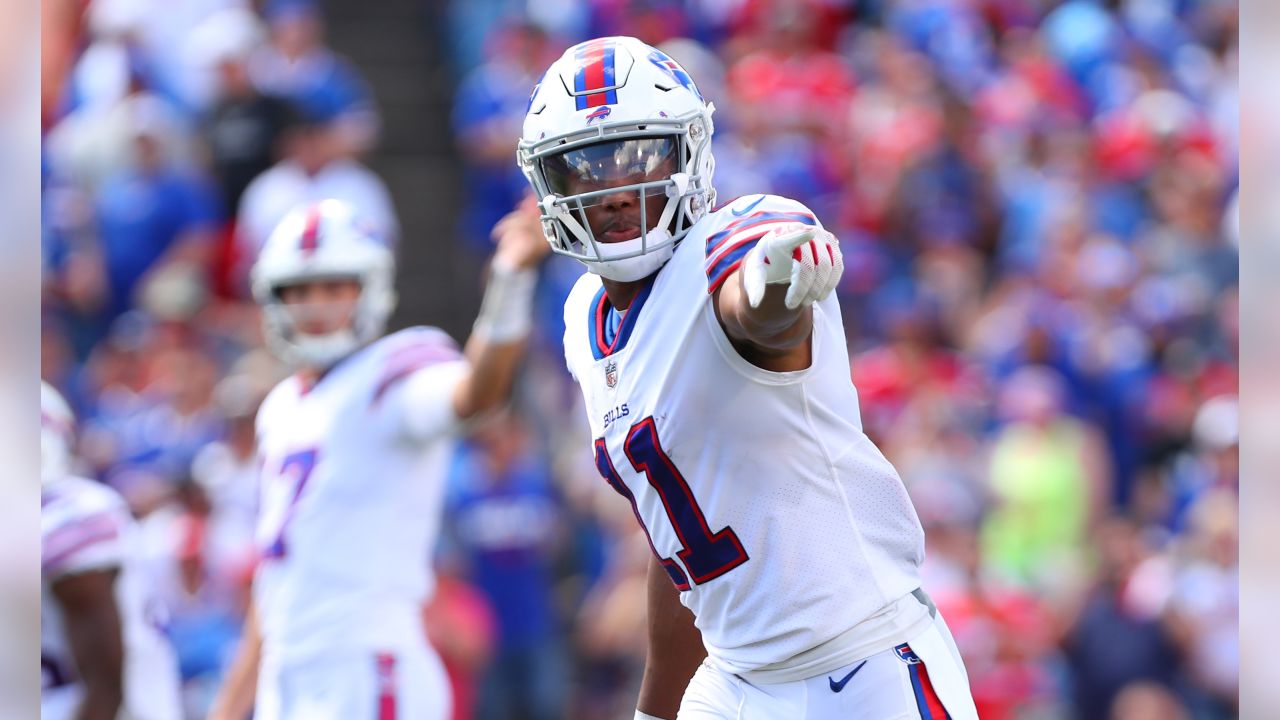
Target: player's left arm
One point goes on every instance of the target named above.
(93, 631)
(765, 305)
(675, 648)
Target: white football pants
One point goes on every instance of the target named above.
(922, 679)
(400, 685)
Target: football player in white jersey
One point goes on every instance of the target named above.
(713, 361)
(353, 449)
(102, 651)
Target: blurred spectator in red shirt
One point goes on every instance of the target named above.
(789, 81)
(461, 627)
(1006, 634)
(488, 111)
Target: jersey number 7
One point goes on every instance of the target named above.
(707, 555)
(300, 464)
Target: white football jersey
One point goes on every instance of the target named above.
(783, 526)
(86, 526)
(351, 492)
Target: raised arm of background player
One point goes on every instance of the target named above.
(789, 269)
(93, 631)
(498, 338)
(492, 352)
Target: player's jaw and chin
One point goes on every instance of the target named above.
(617, 218)
(321, 318)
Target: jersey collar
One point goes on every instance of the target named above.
(598, 317)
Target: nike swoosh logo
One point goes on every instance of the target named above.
(747, 209)
(838, 686)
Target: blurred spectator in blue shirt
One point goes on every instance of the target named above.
(156, 437)
(149, 215)
(298, 66)
(1117, 639)
(488, 114)
(505, 518)
(149, 212)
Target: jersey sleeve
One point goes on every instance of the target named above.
(575, 320)
(416, 383)
(266, 409)
(80, 537)
(568, 362)
(745, 221)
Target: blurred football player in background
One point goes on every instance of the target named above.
(103, 653)
(353, 448)
(712, 358)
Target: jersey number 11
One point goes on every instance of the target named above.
(707, 555)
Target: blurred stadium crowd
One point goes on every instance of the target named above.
(1037, 205)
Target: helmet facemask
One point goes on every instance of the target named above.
(584, 178)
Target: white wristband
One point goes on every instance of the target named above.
(506, 313)
(645, 716)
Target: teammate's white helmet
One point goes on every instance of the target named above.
(323, 241)
(57, 434)
(616, 106)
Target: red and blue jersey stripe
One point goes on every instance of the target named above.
(594, 80)
(727, 248)
(927, 701)
(387, 686)
(61, 545)
(421, 353)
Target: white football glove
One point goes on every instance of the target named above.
(806, 257)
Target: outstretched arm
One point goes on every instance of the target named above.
(675, 648)
(765, 305)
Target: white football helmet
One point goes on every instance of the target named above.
(615, 115)
(57, 434)
(323, 241)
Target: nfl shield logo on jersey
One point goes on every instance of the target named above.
(611, 373)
